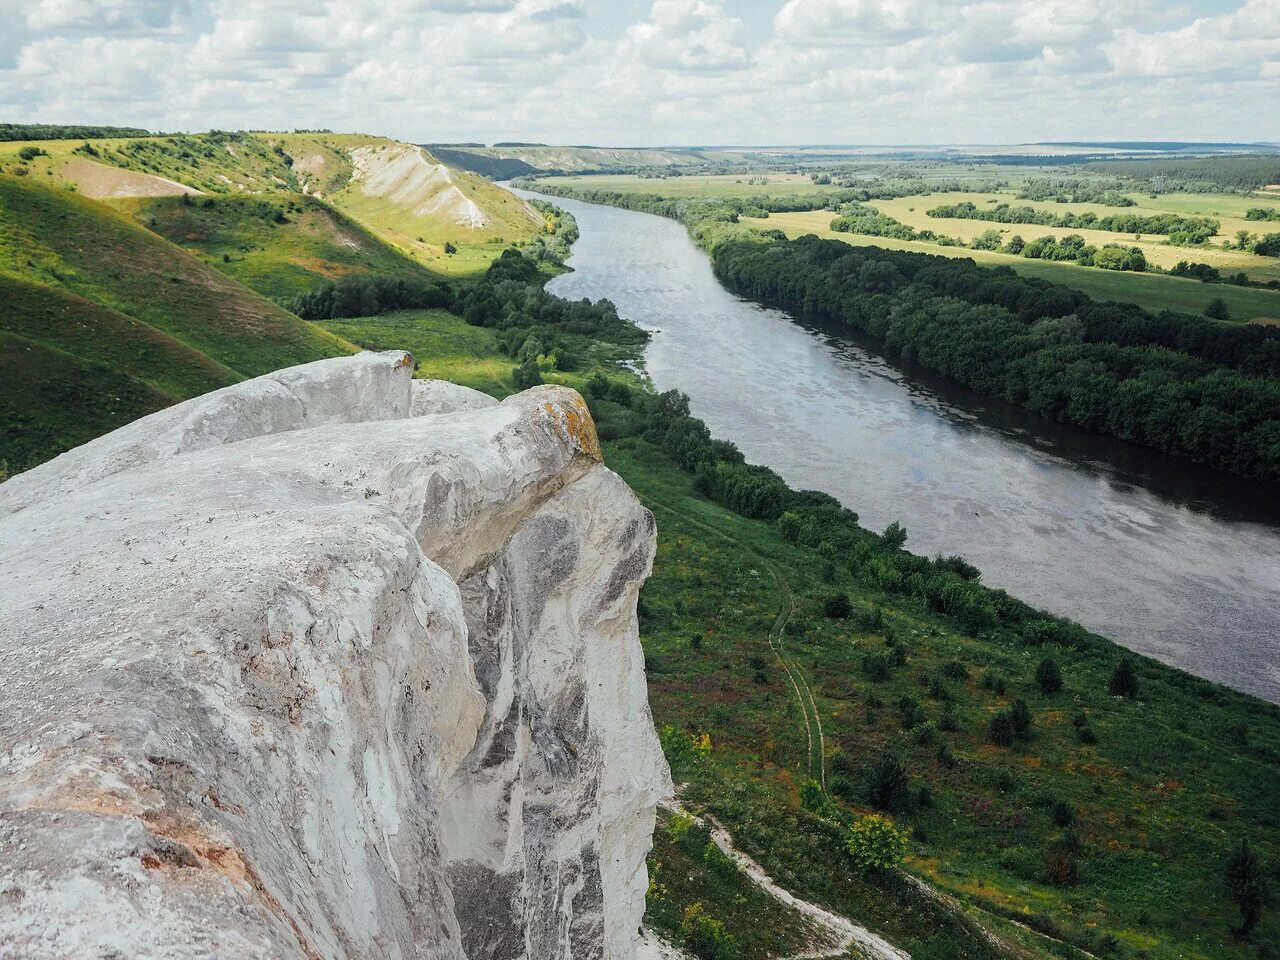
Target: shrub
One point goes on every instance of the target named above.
(877, 666)
(1246, 886)
(1216, 309)
(1049, 675)
(719, 862)
(889, 786)
(993, 681)
(837, 606)
(1001, 729)
(875, 843)
(1124, 680)
(955, 670)
(1021, 715)
(706, 937)
(1060, 865)
(527, 375)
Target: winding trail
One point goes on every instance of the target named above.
(816, 754)
(841, 935)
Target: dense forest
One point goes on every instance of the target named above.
(10, 132)
(1225, 174)
(1179, 229)
(1179, 383)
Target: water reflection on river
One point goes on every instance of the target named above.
(1170, 560)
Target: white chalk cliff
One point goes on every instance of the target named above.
(328, 664)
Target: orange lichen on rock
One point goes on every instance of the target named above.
(575, 419)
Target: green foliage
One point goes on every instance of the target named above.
(1246, 886)
(1124, 680)
(1179, 229)
(10, 132)
(874, 843)
(837, 607)
(1049, 676)
(705, 937)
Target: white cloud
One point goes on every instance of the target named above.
(692, 35)
(676, 71)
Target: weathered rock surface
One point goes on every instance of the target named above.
(328, 664)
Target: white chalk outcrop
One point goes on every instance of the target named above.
(328, 664)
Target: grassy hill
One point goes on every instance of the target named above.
(81, 246)
(400, 192)
(87, 296)
(278, 245)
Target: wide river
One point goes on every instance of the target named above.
(1168, 559)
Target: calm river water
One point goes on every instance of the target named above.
(1169, 560)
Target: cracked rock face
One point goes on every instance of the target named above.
(328, 664)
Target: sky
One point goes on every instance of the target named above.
(657, 72)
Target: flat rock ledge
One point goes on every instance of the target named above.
(332, 663)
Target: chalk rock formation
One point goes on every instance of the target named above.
(328, 664)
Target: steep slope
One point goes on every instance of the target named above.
(404, 194)
(371, 687)
(51, 401)
(83, 247)
(73, 369)
(279, 246)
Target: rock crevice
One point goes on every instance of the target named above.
(330, 664)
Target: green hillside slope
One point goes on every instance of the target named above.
(80, 246)
(279, 246)
(51, 401)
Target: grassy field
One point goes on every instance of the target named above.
(51, 401)
(1148, 802)
(1152, 290)
(912, 211)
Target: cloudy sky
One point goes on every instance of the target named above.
(625, 72)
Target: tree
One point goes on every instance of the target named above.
(875, 843)
(837, 606)
(1216, 309)
(527, 375)
(1124, 680)
(895, 536)
(1246, 886)
(889, 787)
(1049, 675)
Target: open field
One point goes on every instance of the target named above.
(1151, 290)
(912, 211)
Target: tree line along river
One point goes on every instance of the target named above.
(1166, 558)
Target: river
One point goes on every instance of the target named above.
(1168, 559)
